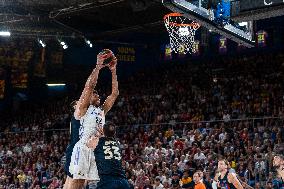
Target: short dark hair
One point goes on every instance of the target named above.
(72, 104)
(109, 129)
(281, 156)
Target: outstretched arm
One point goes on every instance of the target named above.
(232, 178)
(114, 92)
(91, 83)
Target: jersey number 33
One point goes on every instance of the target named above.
(112, 152)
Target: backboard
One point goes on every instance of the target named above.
(225, 27)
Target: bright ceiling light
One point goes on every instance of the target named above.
(5, 33)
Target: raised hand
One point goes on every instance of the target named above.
(112, 65)
(101, 57)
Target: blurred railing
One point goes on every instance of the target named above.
(265, 121)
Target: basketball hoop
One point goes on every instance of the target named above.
(181, 32)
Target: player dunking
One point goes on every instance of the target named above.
(278, 164)
(226, 179)
(108, 159)
(92, 118)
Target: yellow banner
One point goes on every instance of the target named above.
(19, 80)
(126, 54)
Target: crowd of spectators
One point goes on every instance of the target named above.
(174, 121)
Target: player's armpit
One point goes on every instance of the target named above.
(83, 102)
(109, 102)
(232, 178)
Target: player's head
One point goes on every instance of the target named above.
(223, 164)
(109, 129)
(95, 98)
(278, 160)
(73, 105)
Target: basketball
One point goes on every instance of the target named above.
(109, 59)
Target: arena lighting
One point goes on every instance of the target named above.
(42, 43)
(63, 44)
(89, 43)
(5, 33)
(55, 84)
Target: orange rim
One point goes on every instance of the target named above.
(194, 25)
(173, 14)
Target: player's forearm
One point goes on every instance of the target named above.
(114, 90)
(237, 184)
(93, 78)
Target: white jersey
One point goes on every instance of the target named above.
(83, 164)
(90, 122)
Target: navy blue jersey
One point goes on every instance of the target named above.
(75, 126)
(74, 138)
(108, 159)
(224, 183)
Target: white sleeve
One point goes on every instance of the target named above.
(214, 185)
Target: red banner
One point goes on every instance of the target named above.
(40, 68)
(2, 88)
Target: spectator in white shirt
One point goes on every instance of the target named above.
(148, 149)
(226, 116)
(161, 176)
(182, 163)
(158, 184)
(199, 155)
(222, 136)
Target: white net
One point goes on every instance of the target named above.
(181, 32)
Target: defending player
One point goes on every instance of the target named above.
(108, 158)
(74, 138)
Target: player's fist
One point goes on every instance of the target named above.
(100, 132)
(103, 57)
(112, 65)
(93, 142)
